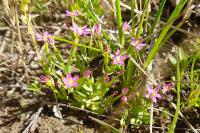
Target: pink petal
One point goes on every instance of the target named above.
(115, 93)
(158, 96)
(68, 13)
(118, 52)
(42, 78)
(133, 42)
(72, 1)
(112, 55)
(68, 76)
(46, 33)
(97, 28)
(75, 84)
(149, 89)
(154, 100)
(39, 37)
(115, 62)
(124, 57)
(125, 91)
(75, 78)
(76, 13)
(65, 81)
(76, 28)
(87, 73)
(121, 63)
(124, 98)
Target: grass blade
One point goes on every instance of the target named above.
(119, 22)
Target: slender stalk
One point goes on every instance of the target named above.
(178, 78)
(76, 44)
(133, 16)
(158, 14)
(151, 117)
(139, 31)
(119, 22)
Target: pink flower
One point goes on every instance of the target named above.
(138, 44)
(87, 73)
(125, 26)
(125, 91)
(47, 79)
(106, 78)
(43, 79)
(153, 94)
(167, 87)
(80, 30)
(118, 58)
(70, 14)
(115, 93)
(46, 37)
(124, 98)
(72, 1)
(97, 28)
(71, 81)
(106, 48)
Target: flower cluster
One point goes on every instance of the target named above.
(87, 73)
(97, 29)
(118, 59)
(46, 37)
(48, 80)
(124, 92)
(138, 44)
(125, 26)
(167, 87)
(80, 30)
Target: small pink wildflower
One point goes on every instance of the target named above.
(71, 81)
(70, 14)
(115, 93)
(124, 99)
(87, 73)
(47, 79)
(138, 44)
(80, 30)
(43, 78)
(167, 87)
(71, 1)
(106, 78)
(118, 58)
(106, 48)
(125, 91)
(153, 94)
(97, 28)
(46, 37)
(125, 26)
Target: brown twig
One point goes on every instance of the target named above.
(33, 120)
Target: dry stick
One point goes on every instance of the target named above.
(20, 26)
(161, 22)
(33, 121)
(76, 108)
(114, 130)
(18, 29)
